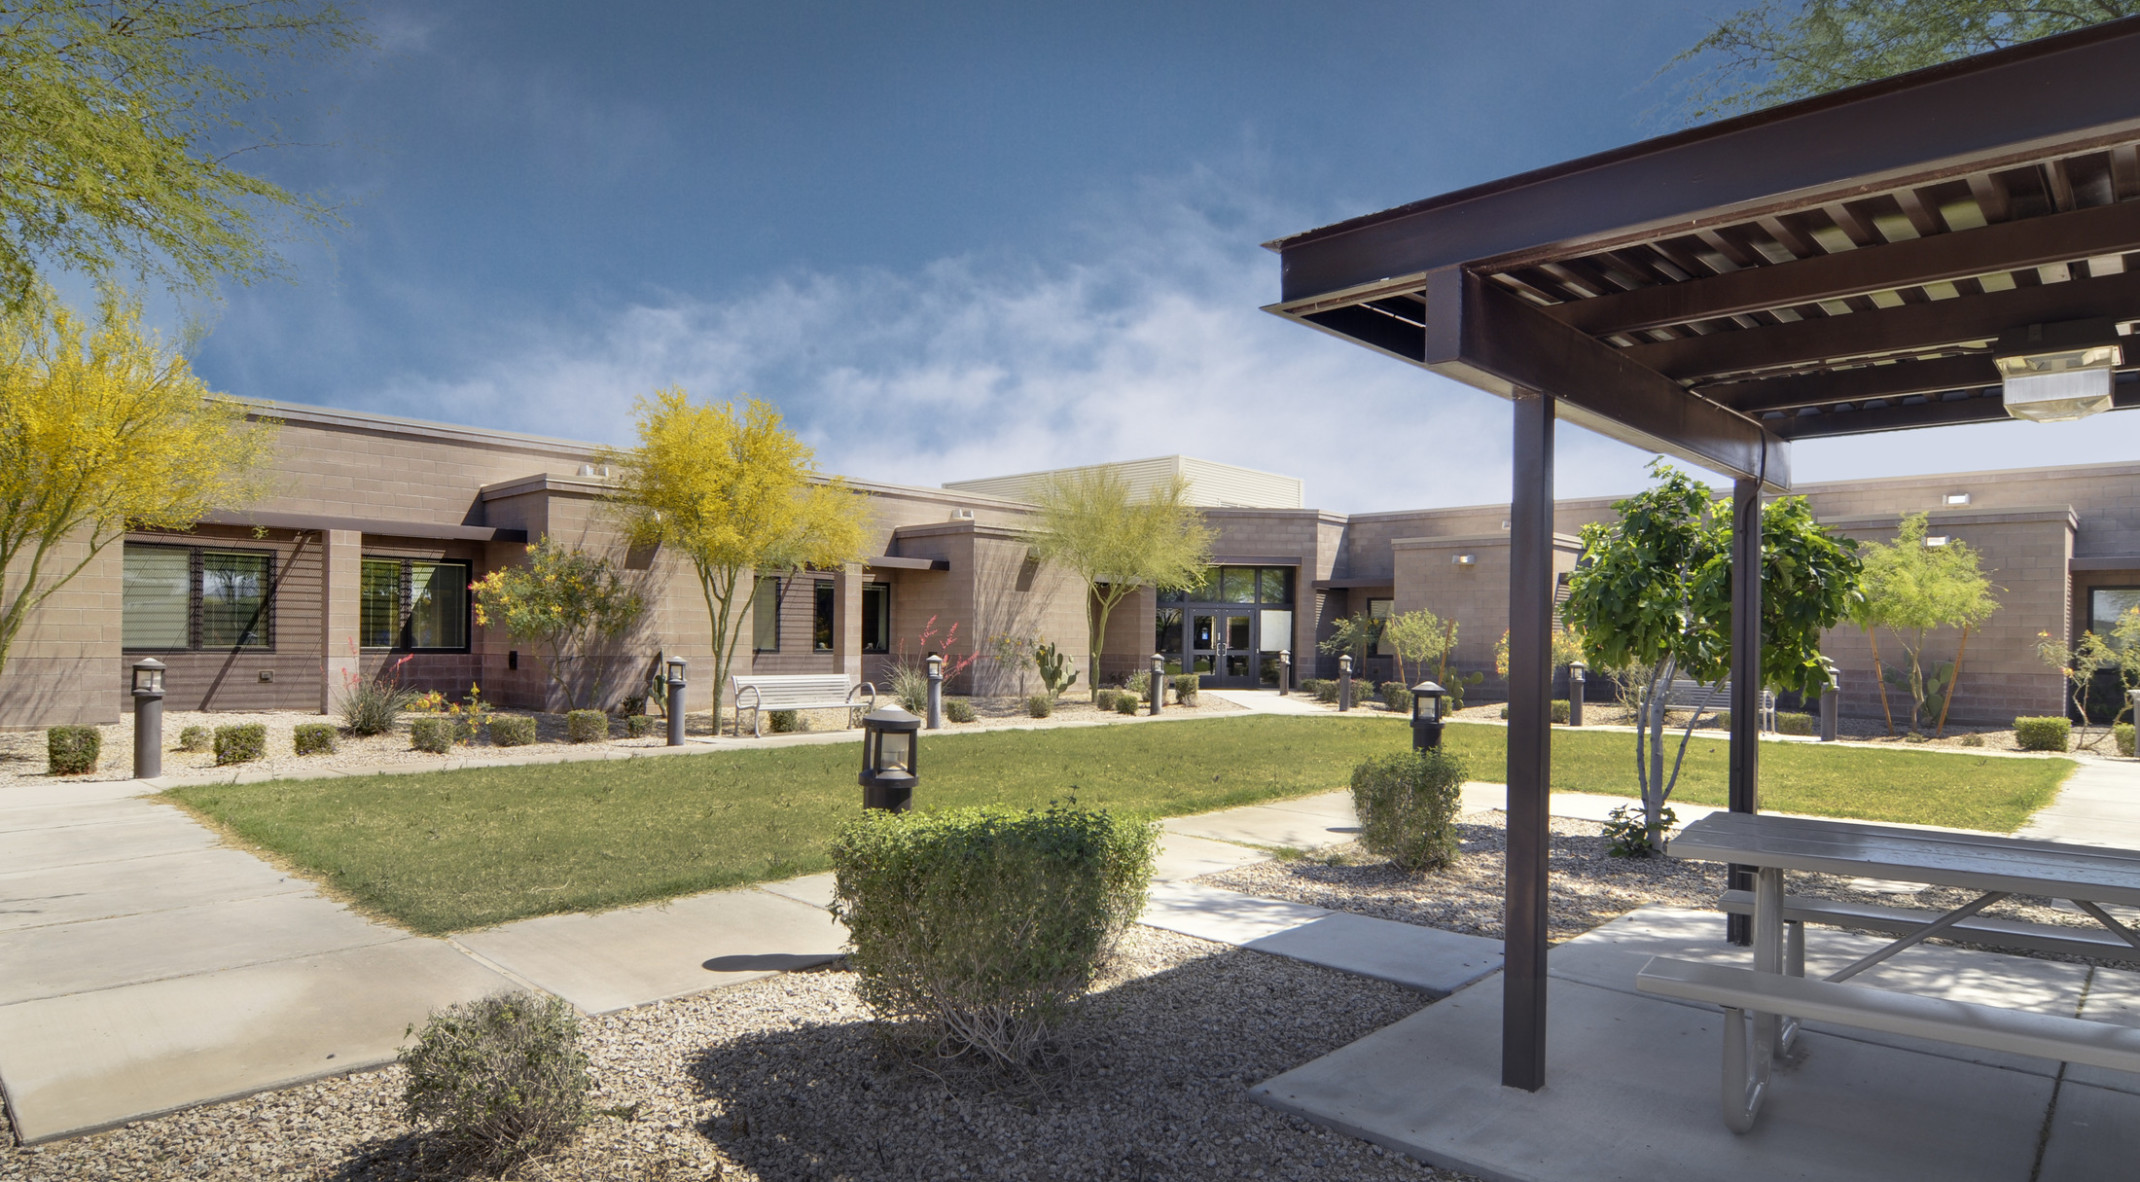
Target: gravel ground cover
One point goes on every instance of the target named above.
(1586, 886)
(786, 1079)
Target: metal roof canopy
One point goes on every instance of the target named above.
(1840, 265)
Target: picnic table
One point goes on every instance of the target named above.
(1764, 1005)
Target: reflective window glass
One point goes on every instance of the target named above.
(821, 618)
(379, 603)
(1237, 584)
(876, 617)
(2105, 605)
(765, 616)
(234, 590)
(156, 597)
(1275, 585)
(1167, 636)
(438, 605)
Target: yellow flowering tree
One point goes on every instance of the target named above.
(101, 429)
(735, 493)
(572, 603)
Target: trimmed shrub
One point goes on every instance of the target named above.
(1395, 696)
(1139, 684)
(432, 734)
(1105, 699)
(511, 730)
(502, 1077)
(1558, 708)
(1792, 723)
(313, 738)
(240, 743)
(959, 710)
(72, 750)
(1128, 703)
(783, 722)
(1185, 687)
(1407, 805)
(1972, 739)
(639, 726)
(984, 926)
(1040, 705)
(2122, 735)
(586, 726)
(195, 738)
(1326, 690)
(2043, 734)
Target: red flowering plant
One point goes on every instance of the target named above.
(370, 705)
(910, 672)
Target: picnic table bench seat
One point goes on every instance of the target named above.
(760, 692)
(1682, 694)
(2014, 934)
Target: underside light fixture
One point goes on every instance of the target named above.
(1466, 559)
(1935, 541)
(1957, 498)
(2057, 372)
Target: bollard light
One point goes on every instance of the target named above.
(1285, 670)
(1831, 706)
(936, 692)
(1427, 716)
(676, 703)
(1159, 680)
(148, 718)
(1575, 692)
(891, 739)
(1345, 682)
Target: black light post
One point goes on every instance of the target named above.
(1345, 682)
(891, 738)
(1427, 716)
(148, 718)
(936, 692)
(1575, 692)
(1159, 680)
(676, 704)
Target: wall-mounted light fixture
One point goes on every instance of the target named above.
(2056, 372)
(1465, 559)
(1504, 523)
(1935, 541)
(1957, 498)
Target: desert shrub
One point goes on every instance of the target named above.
(1105, 699)
(586, 726)
(511, 730)
(959, 710)
(432, 734)
(503, 1077)
(1972, 739)
(1315, 686)
(783, 722)
(1185, 687)
(639, 726)
(910, 688)
(1407, 804)
(1792, 723)
(1128, 703)
(984, 925)
(2122, 735)
(2043, 734)
(313, 738)
(372, 707)
(1627, 831)
(240, 742)
(1040, 705)
(195, 738)
(1558, 709)
(1139, 684)
(1395, 696)
(72, 750)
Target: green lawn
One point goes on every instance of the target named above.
(453, 850)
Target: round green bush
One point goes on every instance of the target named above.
(1185, 687)
(72, 750)
(1792, 723)
(783, 722)
(1104, 700)
(195, 738)
(959, 710)
(432, 734)
(2043, 734)
(511, 730)
(1040, 705)
(639, 726)
(1128, 703)
(986, 925)
(2122, 735)
(586, 726)
(1395, 697)
(313, 738)
(240, 743)
(504, 1077)
(1407, 805)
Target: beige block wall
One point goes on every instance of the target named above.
(59, 668)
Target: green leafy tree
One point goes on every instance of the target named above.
(1415, 638)
(1782, 50)
(1355, 634)
(1115, 542)
(121, 125)
(1652, 594)
(572, 603)
(103, 430)
(1914, 590)
(2085, 660)
(738, 496)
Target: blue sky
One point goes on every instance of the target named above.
(947, 240)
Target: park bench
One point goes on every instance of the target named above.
(759, 693)
(1681, 694)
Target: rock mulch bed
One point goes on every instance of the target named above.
(786, 1079)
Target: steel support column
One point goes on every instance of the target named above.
(1745, 675)
(1530, 686)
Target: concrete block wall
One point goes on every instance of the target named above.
(59, 668)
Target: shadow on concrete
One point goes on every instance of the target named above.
(774, 962)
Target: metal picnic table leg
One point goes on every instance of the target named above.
(1768, 953)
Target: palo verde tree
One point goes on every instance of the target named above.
(1914, 589)
(573, 603)
(101, 430)
(739, 496)
(1116, 542)
(1781, 50)
(122, 124)
(1415, 638)
(2085, 661)
(1652, 594)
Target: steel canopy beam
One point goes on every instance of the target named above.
(1995, 110)
(1484, 337)
(1898, 380)
(1906, 416)
(2004, 247)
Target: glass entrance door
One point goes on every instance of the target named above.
(1229, 630)
(1222, 647)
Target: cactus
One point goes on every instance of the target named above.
(1055, 671)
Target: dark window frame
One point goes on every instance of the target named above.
(824, 616)
(2103, 628)
(779, 593)
(404, 608)
(882, 616)
(194, 567)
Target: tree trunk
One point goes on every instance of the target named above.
(1880, 676)
(1952, 677)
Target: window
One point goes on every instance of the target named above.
(2106, 604)
(1238, 584)
(821, 619)
(765, 616)
(1379, 609)
(876, 617)
(1166, 637)
(413, 603)
(180, 598)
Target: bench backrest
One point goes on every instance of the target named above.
(778, 691)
